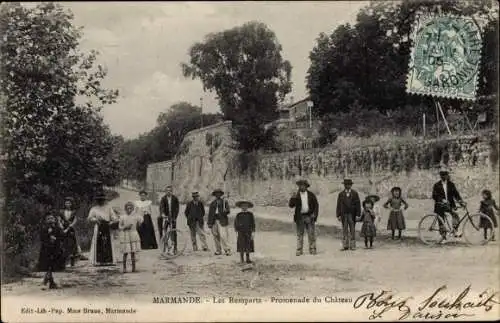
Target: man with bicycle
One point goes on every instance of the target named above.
(445, 196)
(169, 210)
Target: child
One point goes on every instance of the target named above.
(376, 209)
(51, 251)
(129, 237)
(487, 207)
(244, 224)
(368, 229)
(396, 218)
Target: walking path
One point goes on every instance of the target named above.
(405, 267)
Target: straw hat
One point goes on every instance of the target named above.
(373, 197)
(218, 192)
(240, 204)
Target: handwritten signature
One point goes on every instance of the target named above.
(436, 306)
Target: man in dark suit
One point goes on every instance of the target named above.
(169, 210)
(305, 216)
(445, 196)
(218, 222)
(195, 212)
(348, 209)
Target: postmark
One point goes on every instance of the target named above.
(445, 58)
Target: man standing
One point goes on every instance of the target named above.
(305, 216)
(445, 196)
(348, 209)
(195, 212)
(218, 222)
(169, 210)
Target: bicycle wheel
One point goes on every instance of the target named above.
(428, 229)
(474, 229)
(168, 251)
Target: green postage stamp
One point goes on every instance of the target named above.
(445, 58)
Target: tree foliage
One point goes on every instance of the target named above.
(54, 139)
(163, 142)
(246, 70)
(366, 64)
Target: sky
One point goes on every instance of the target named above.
(142, 44)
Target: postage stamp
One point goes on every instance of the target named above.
(445, 57)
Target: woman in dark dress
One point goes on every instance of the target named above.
(244, 224)
(68, 221)
(146, 229)
(51, 257)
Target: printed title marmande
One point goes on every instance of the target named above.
(246, 300)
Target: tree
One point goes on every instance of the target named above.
(54, 138)
(367, 63)
(245, 68)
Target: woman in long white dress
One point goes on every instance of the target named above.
(102, 252)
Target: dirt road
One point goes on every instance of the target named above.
(400, 266)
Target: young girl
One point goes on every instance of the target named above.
(376, 209)
(368, 229)
(244, 224)
(129, 238)
(51, 251)
(488, 207)
(396, 218)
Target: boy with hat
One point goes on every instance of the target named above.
(244, 225)
(348, 210)
(195, 212)
(305, 215)
(51, 251)
(218, 222)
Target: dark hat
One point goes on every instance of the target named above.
(69, 198)
(367, 201)
(374, 198)
(302, 182)
(195, 194)
(242, 203)
(143, 192)
(218, 192)
(444, 171)
(395, 188)
(347, 181)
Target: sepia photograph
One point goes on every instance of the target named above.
(249, 161)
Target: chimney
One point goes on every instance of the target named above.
(291, 99)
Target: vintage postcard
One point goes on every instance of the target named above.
(301, 161)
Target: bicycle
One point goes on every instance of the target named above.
(471, 226)
(167, 242)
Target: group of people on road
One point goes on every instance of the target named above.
(116, 236)
(351, 210)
